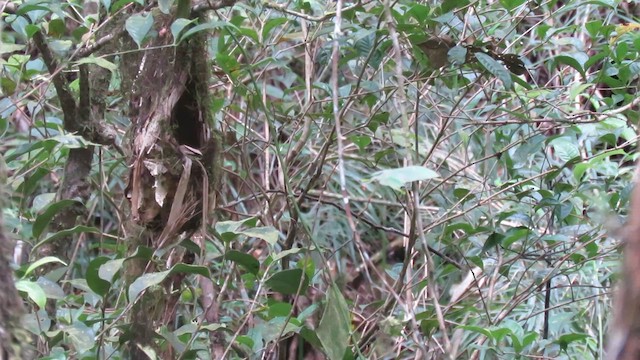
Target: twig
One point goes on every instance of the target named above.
(326, 16)
(211, 5)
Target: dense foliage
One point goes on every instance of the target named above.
(382, 194)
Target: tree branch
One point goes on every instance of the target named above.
(211, 5)
(326, 16)
(67, 101)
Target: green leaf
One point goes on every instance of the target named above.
(94, 281)
(211, 25)
(288, 282)
(138, 25)
(34, 291)
(165, 6)
(567, 339)
(247, 261)
(450, 5)
(82, 336)
(67, 232)
(477, 329)
(495, 68)
(178, 26)
(457, 55)
(571, 61)
(266, 233)
(43, 220)
(9, 48)
(109, 269)
(333, 330)
(269, 25)
(397, 178)
(103, 63)
(41, 201)
(492, 241)
(45, 260)
(361, 141)
(565, 148)
(511, 4)
(30, 30)
(230, 226)
(151, 279)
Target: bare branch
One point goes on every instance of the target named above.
(90, 49)
(61, 84)
(211, 5)
(327, 16)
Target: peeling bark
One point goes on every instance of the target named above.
(172, 160)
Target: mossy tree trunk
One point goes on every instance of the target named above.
(172, 161)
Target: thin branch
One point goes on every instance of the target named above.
(326, 16)
(211, 5)
(99, 44)
(67, 101)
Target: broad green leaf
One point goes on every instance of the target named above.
(42, 200)
(151, 279)
(566, 339)
(492, 241)
(61, 47)
(278, 308)
(333, 330)
(9, 48)
(288, 282)
(145, 281)
(361, 141)
(94, 281)
(138, 25)
(30, 30)
(511, 4)
(34, 291)
(102, 62)
(266, 233)
(45, 260)
(565, 148)
(165, 6)
(43, 220)
(82, 337)
(178, 26)
(214, 327)
(64, 233)
(211, 25)
(282, 254)
(570, 60)
(449, 5)
(495, 68)
(52, 289)
(283, 325)
(245, 260)
(477, 329)
(36, 322)
(515, 234)
(229, 226)
(269, 25)
(457, 55)
(56, 27)
(397, 178)
(109, 269)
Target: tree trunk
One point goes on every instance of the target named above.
(172, 163)
(624, 338)
(12, 336)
